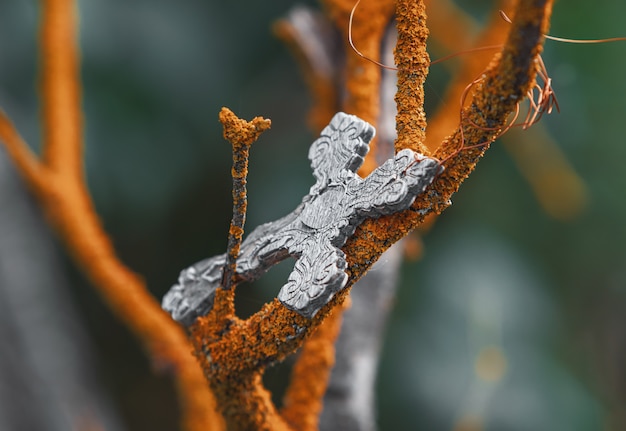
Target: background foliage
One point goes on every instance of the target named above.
(547, 295)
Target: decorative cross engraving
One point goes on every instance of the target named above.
(314, 232)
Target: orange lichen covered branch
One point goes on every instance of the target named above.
(58, 182)
(274, 332)
(412, 62)
(245, 403)
(33, 172)
(368, 28)
(61, 87)
(558, 188)
(233, 355)
(504, 84)
(353, 87)
(241, 134)
(472, 64)
(362, 77)
(303, 399)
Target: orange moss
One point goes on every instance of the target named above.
(241, 397)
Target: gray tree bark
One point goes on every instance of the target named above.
(47, 380)
(350, 401)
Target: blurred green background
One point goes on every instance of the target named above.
(502, 285)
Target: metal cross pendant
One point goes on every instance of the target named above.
(314, 232)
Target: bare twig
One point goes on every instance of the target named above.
(241, 135)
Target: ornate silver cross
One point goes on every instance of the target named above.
(314, 232)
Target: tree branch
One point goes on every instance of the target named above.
(273, 332)
(61, 88)
(412, 62)
(59, 184)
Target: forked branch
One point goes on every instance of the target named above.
(235, 353)
(274, 331)
(58, 182)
